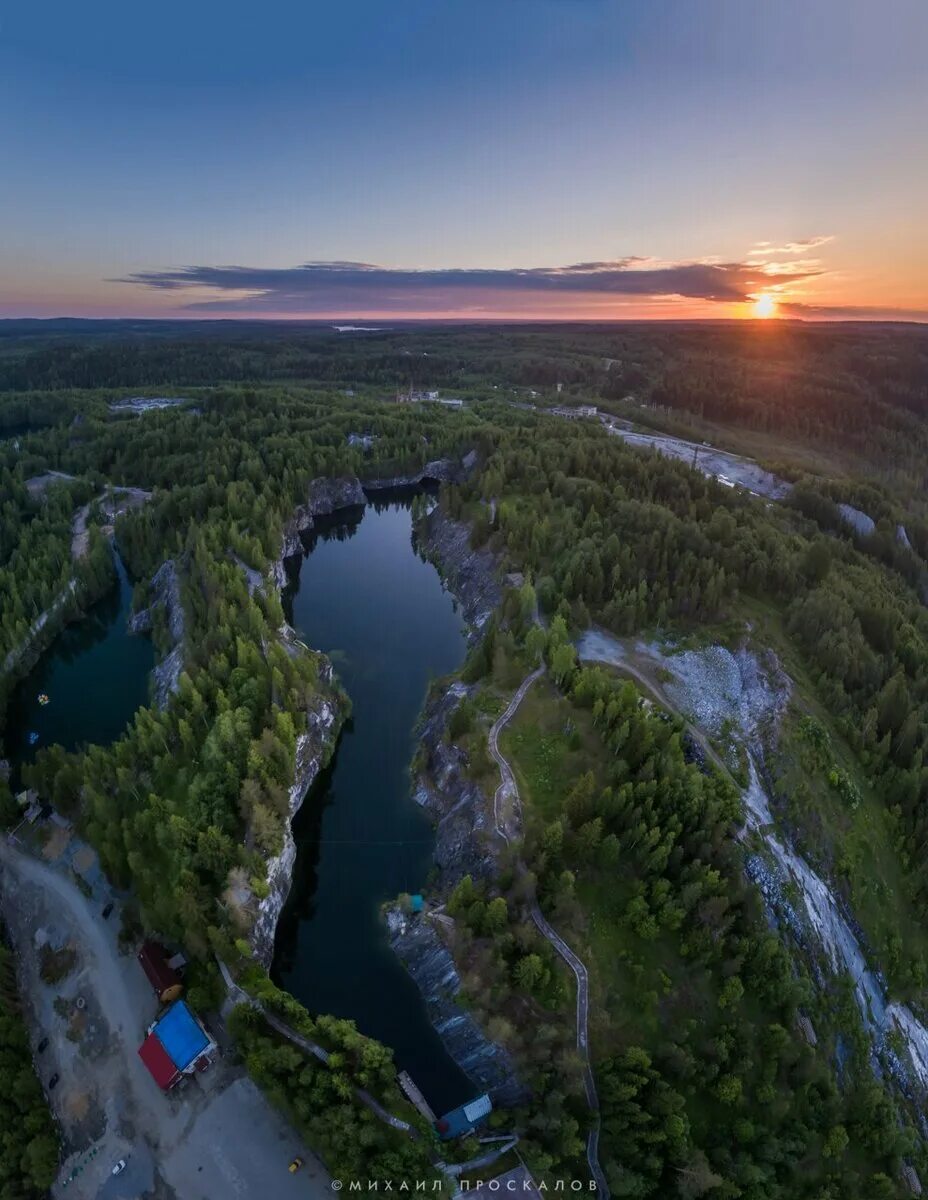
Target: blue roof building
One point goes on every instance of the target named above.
(182, 1036)
(464, 1120)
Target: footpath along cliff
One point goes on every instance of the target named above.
(463, 817)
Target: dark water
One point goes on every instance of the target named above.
(95, 674)
(367, 599)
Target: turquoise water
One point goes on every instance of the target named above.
(95, 674)
(366, 598)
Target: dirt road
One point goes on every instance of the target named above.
(217, 1138)
(508, 789)
(113, 500)
(121, 1012)
(728, 468)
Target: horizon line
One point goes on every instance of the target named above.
(384, 325)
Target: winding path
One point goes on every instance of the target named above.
(237, 995)
(509, 787)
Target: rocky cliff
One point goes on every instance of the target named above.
(463, 814)
(464, 845)
(324, 496)
(324, 718)
(165, 592)
(443, 470)
(471, 575)
(429, 962)
(313, 750)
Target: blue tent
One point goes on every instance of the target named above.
(181, 1035)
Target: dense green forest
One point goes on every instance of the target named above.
(29, 1141)
(861, 388)
(706, 1083)
(705, 1088)
(318, 1097)
(633, 541)
(166, 806)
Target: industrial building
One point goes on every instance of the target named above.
(464, 1120)
(414, 396)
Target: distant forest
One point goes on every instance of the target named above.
(863, 387)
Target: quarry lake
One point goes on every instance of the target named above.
(366, 598)
(363, 595)
(95, 674)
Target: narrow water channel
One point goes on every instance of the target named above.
(95, 675)
(365, 597)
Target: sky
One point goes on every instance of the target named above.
(472, 159)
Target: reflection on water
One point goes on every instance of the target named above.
(95, 675)
(365, 597)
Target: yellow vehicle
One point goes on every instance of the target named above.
(295, 1165)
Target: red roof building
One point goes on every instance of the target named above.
(156, 1058)
(153, 959)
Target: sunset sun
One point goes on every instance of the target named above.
(764, 306)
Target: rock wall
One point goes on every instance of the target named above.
(464, 845)
(859, 521)
(323, 719)
(430, 964)
(313, 750)
(445, 470)
(463, 814)
(471, 575)
(30, 644)
(165, 587)
(324, 496)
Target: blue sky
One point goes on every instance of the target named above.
(650, 135)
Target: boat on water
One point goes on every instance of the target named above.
(33, 738)
(43, 698)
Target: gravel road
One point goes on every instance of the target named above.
(508, 788)
(219, 1137)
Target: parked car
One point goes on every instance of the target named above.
(53, 1083)
(119, 1168)
(107, 909)
(295, 1165)
(42, 1046)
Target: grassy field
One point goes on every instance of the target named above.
(550, 744)
(645, 991)
(638, 988)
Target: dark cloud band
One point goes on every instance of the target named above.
(327, 287)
